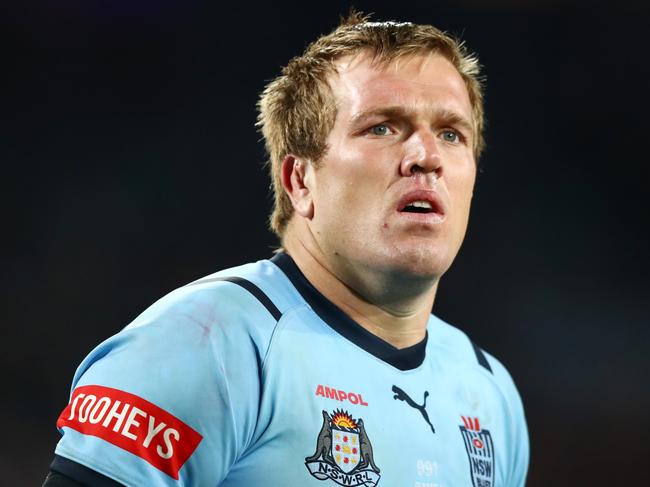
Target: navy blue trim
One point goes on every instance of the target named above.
(81, 473)
(403, 359)
(251, 288)
(480, 356)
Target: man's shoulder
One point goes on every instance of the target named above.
(211, 326)
(256, 292)
(233, 309)
(462, 350)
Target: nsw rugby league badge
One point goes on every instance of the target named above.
(343, 452)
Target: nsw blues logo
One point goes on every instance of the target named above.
(343, 452)
(480, 452)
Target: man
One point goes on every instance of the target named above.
(322, 365)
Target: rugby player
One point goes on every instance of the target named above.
(322, 365)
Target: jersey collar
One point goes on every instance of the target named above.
(403, 359)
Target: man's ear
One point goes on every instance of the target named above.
(296, 179)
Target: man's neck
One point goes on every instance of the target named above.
(402, 322)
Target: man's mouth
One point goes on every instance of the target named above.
(418, 207)
(421, 201)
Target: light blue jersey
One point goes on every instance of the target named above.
(251, 377)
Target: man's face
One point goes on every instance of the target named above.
(393, 191)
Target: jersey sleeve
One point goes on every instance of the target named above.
(519, 446)
(172, 399)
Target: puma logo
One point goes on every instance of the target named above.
(403, 396)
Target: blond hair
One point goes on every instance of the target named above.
(297, 109)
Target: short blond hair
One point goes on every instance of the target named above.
(297, 110)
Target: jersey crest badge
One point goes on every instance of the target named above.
(343, 452)
(480, 452)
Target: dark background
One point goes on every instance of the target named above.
(130, 166)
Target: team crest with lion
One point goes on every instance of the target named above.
(343, 452)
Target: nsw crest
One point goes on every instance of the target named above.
(343, 452)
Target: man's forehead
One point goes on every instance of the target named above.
(361, 79)
(352, 71)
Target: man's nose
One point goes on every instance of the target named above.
(421, 155)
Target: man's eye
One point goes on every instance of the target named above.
(450, 136)
(380, 129)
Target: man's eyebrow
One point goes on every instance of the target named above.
(442, 115)
(382, 112)
(451, 117)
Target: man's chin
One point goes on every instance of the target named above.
(419, 264)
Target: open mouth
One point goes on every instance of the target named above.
(421, 202)
(418, 207)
